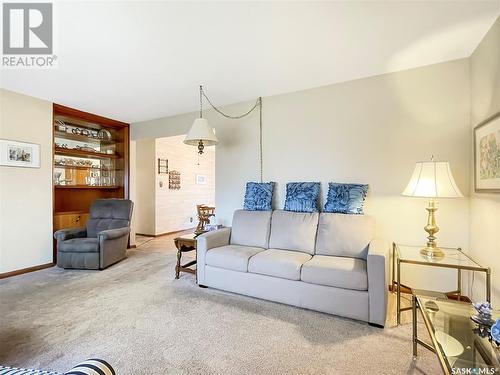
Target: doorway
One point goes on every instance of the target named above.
(171, 179)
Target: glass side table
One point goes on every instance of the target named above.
(461, 345)
(453, 258)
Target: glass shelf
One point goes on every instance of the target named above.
(82, 138)
(453, 258)
(83, 168)
(83, 154)
(85, 187)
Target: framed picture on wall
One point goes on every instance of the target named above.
(201, 179)
(487, 155)
(174, 180)
(19, 154)
(162, 166)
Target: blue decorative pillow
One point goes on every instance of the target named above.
(302, 196)
(345, 198)
(259, 196)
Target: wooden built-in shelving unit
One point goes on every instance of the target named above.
(91, 161)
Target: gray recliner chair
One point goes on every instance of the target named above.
(102, 242)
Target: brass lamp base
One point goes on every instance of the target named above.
(431, 250)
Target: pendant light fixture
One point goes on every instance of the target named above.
(201, 134)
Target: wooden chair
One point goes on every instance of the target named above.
(204, 214)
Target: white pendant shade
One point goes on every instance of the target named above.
(432, 179)
(200, 131)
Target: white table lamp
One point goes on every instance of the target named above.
(432, 179)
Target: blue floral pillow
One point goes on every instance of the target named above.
(259, 196)
(345, 198)
(302, 196)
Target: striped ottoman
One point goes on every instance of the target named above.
(89, 367)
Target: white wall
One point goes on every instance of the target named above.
(175, 208)
(26, 193)
(145, 186)
(371, 130)
(485, 208)
(162, 210)
(133, 191)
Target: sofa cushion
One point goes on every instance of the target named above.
(231, 257)
(344, 235)
(295, 231)
(251, 228)
(340, 272)
(278, 263)
(79, 245)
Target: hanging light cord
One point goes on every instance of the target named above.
(258, 104)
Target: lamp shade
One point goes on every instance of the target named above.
(200, 131)
(432, 179)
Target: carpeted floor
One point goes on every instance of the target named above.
(136, 316)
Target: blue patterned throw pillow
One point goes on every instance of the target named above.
(345, 198)
(302, 196)
(259, 196)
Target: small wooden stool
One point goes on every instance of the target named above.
(185, 244)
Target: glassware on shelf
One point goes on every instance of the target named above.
(57, 178)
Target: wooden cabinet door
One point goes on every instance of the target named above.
(65, 220)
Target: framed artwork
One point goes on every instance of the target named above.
(174, 180)
(162, 166)
(487, 155)
(19, 154)
(201, 179)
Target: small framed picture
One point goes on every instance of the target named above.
(201, 179)
(162, 166)
(19, 154)
(174, 180)
(487, 155)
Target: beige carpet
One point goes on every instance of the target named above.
(136, 316)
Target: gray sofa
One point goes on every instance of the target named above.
(319, 261)
(102, 242)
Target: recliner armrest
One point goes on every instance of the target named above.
(377, 262)
(112, 246)
(111, 234)
(67, 234)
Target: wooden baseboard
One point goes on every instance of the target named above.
(404, 289)
(25, 270)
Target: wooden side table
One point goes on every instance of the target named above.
(185, 244)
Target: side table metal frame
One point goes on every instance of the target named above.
(432, 347)
(396, 272)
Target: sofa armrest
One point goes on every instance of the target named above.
(216, 238)
(67, 234)
(377, 263)
(111, 234)
(206, 242)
